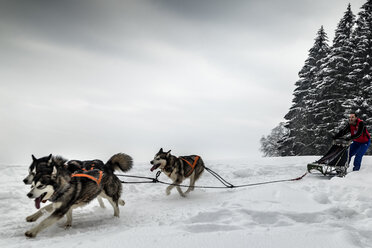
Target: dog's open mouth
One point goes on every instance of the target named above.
(155, 167)
(39, 199)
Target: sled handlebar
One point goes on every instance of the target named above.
(342, 142)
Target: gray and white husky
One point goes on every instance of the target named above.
(178, 169)
(67, 191)
(47, 164)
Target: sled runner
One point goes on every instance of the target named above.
(335, 161)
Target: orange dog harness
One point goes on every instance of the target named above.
(97, 180)
(191, 165)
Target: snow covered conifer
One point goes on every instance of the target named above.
(299, 140)
(360, 99)
(269, 145)
(361, 74)
(333, 86)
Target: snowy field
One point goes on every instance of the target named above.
(312, 212)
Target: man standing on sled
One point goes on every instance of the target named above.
(360, 136)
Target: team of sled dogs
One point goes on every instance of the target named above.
(69, 184)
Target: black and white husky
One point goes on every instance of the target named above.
(41, 164)
(178, 169)
(67, 191)
(47, 164)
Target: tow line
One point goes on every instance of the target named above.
(221, 179)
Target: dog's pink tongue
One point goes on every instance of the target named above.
(37, 202)
(153, 168)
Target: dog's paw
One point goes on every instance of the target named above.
(121, 202)
(30, 234)
(167, 192)
(67, 225)
(31, 218)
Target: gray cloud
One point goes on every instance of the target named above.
(86, 79)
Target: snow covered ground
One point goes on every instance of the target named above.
(312, 212)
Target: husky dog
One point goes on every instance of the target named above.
(46, 165)
(178, 169)
(67, 191)
(41, 164)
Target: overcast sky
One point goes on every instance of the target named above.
(87, 79)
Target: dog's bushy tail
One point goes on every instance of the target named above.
(119, 161)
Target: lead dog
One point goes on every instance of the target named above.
(46, 165)
(41, 164)
(67, 191)
(178, 169)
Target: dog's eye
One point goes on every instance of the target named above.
(41, 186)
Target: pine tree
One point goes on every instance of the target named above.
(333, 85)
(361, 74)
(299, 140)
(269, 145)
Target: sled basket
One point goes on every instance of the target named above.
(335, 162)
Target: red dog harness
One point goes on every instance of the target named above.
(191, 165)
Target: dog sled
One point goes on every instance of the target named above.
(335, 162)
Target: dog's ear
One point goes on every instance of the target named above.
(168, 153)
(50, 159)
(33, 157)
(161, 150)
